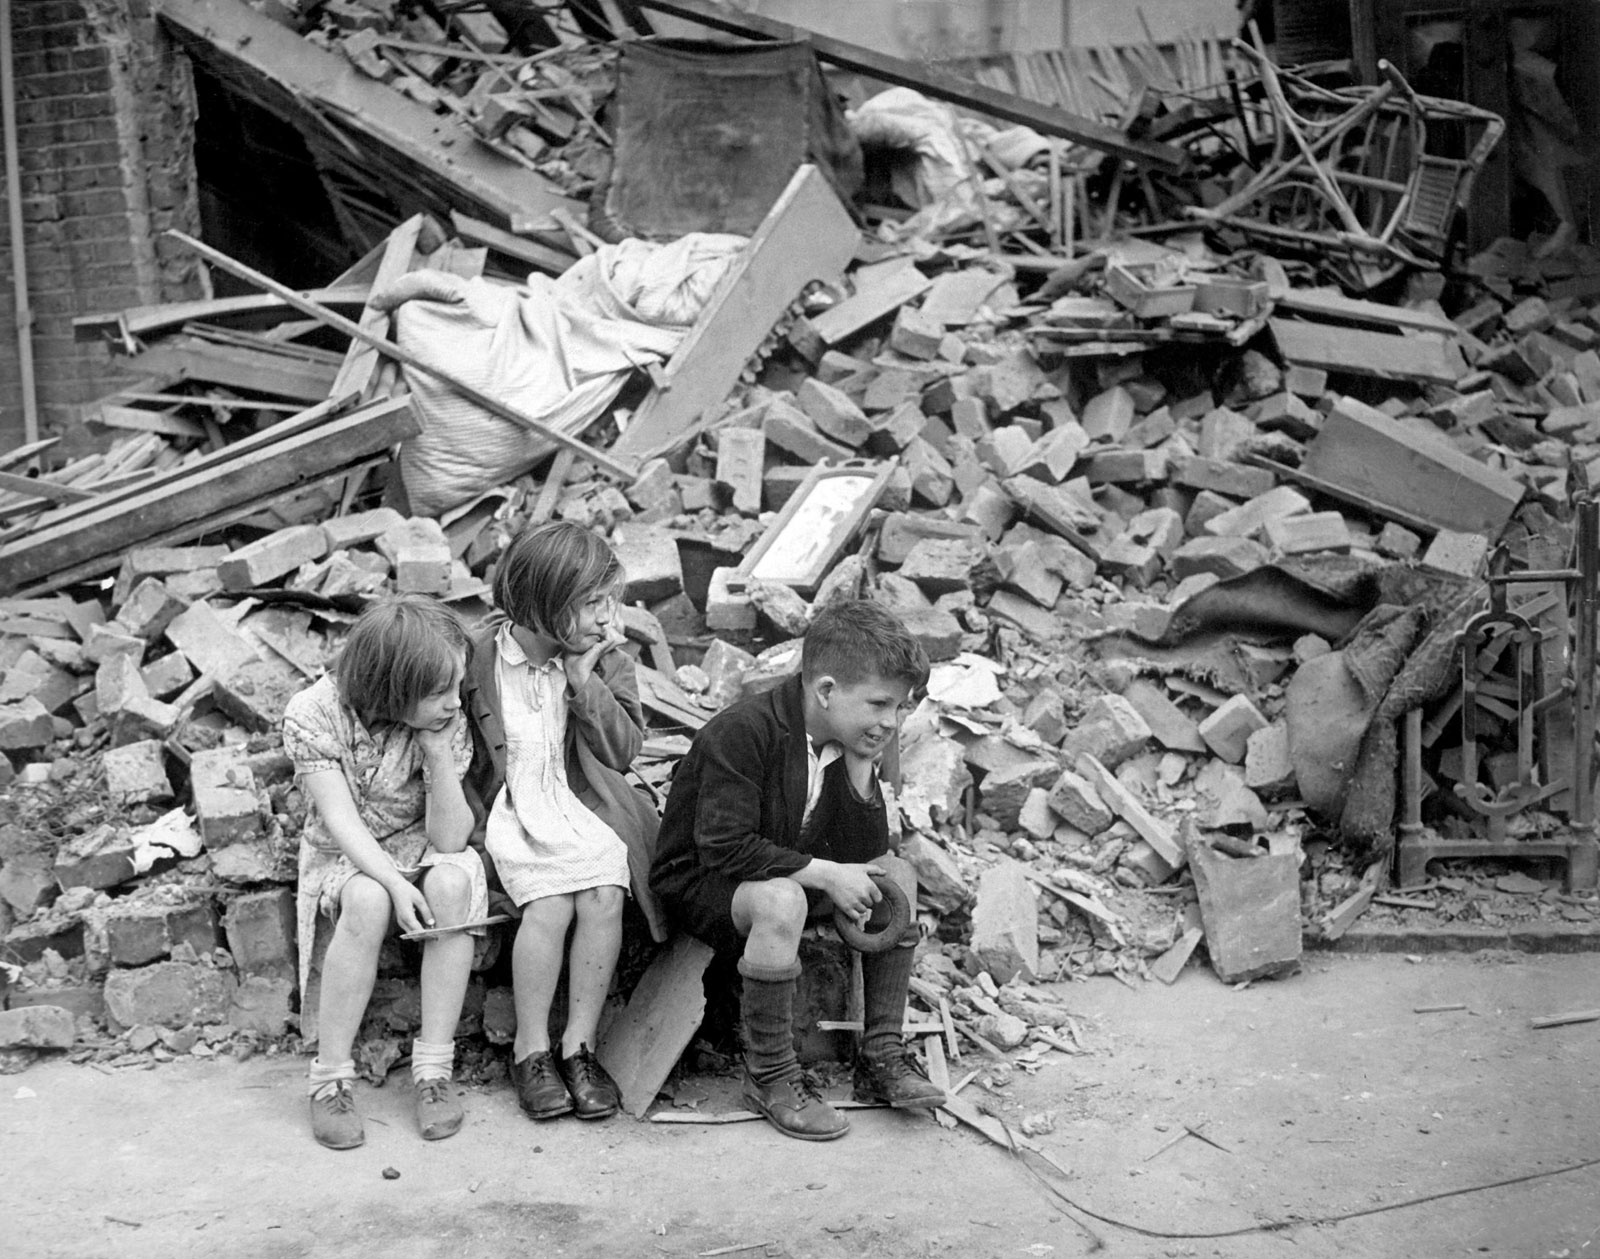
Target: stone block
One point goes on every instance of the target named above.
(254, 695)
(265, 560)
(25, 724)
(1397, 542)
(1111, 731)
(724, 666)
(168, 994)
(1225, 802)
(149, 610)
(936, 629)
(26, 883)
(225, 801)
(1221, 557)
(834, 414)
(1168, 723)
(165, 676)
(894, 430)
(1223, 434)
(915, 335)
(260, 928)
(1250, 912)
(358, 528)
(1046, 715)
(1039, 624)
(741, 458)
(821, 995)
(1027, 569)
(1005, 923)
(209, 643)
(164, 561)
(1053, 456)
(1306, 382)
(1249, 519)
(98, 858)
(140, 933)
(1462, 554)
(32, 676)
(136, 773)
(1228, 729)
(933, 781)
(85, 1000)
(1316, 531)
(728, 609)
(1004, 789)
(1077, 802)
(779, 483)
(251, 861)
(1290, 414)
(36, 1027)
(1126, 805)
(30, 941)
(650, 563)
(142, 717)
(1126, 467)
(940, 883)
(940, 565)
(1234, 480)
(1268, 767)
(1108, 415)
(1036, 819)
(903, 530)
(262, 1003)
(932, 477)
(792, 431)
(419, 552)
(107, 640)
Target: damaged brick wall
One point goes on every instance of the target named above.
(105, 122)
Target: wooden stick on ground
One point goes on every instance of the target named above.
(602, 460)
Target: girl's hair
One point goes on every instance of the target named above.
(399, 652)
(548, 571)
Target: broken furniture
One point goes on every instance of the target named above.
(1531, 697)
(803, 544)
(1365, 178)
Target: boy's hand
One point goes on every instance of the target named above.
(580, 666)
(854, 892)
(410, 906)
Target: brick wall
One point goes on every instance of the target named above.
(105, 121)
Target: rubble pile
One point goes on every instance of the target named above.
(1145, 507)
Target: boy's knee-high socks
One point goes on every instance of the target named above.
(767, 1010)
(885, 977)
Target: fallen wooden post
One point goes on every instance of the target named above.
(601, 460)
(643, 1043)
(1562, 1020)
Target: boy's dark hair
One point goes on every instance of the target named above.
(399, 652)
(548, 571)
(852, 639)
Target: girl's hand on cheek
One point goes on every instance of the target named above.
(580, 665)
(435, 744)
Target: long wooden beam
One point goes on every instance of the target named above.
(1046, 119)
(601, 460)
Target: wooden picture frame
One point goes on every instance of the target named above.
(822, 515)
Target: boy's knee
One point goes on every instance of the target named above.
(774, 904)
(364, 906)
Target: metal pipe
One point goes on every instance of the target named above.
(1583, 663)
(19, 253)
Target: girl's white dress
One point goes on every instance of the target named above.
(544, 840)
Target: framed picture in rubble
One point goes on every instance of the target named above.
(821, 516)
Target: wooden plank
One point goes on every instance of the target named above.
(38, 487)
(133, 418)
(807, 235)
(1382, 461)
(540, 257)
(280, 375)
(1331, 304)
(1360, 352)
(142, 321)
(660, 694)
(871, 302)
(204, 490)
(941, 85)
(324, 94)
(361, 360)
(642, 1043)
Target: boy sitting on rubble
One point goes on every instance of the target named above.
(776, 816)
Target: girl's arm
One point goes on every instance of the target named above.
(337, 808)
(603, 702)
(449, 817)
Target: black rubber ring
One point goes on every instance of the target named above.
(885, 937)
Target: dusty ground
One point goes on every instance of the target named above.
(1330, 1093)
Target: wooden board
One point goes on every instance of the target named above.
(1359, 352)
(1378, 460)
(540, 257)
(204, 489)
(279, 375)
(643, 1043)
(871, 302)
(361, 360)
(143, 321)
(1330, 304)
(806, 236)
(1048, 120)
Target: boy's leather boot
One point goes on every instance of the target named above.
(774, 1086)
(885, 1071)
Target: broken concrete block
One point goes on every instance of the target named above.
(940, 884)
(255, 694)
(251, 861)
(1287, 413)
(725, 666)
(1039, 624)
(149, 610)
(136, 773)
(262, 1004)
(1222, 557)
(741, 459)
(792, 431)
(1052, 457)
(1250, 911)
(1046, 715)
(1268, 767)
(168, 994)
(1460, 553)
(32, 676)
(1107, 416)
(903, 530)
(1249, 519)
(936, 629)
(1126, 467)
(727, 609)
(102, 857)
(164, 562)
(934, 779)
(36, 1027)
(1111, 731)
(1234, 480)
(932, 478)
(1316, 531)
(260, 929)
(225, 801)
(915, 335)
(1397, 542)
(419, 552)
(940, 565)
(1004, 789)
(344, 532)
(1005, 923)
(140, 933)
(1168, 723)
(1125, 805)
(834, 414)
(107, 640)
(210, 643)
(25, 724)
(142, 717)
(1306, 382)
(650, 562)
(1227, 730)
(1225, 800)
(1076, 801)
(166, 675)
(1036, 819)
(263, 561)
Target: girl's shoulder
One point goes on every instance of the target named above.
(318, 702)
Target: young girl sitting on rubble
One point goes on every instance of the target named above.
(555, 712)
(380, 747)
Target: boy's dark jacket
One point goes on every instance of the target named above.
(739, 796)
(605, 730)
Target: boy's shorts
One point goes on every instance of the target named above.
(704, 908)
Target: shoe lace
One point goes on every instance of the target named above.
(584, 1065)
(806, 1087)
(433, 1091)
(896, 1065)
(337, 1096)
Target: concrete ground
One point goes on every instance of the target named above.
(1327, 1093)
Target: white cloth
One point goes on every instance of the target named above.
(816, 765)
(544, 840)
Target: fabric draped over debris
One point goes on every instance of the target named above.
(558, 349)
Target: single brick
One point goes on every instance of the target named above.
(1077, 802)
(224, 796)
(136, 773)
(263, 561)
(168, 994)
(149, 610)
(741, 457)
(1005, 923)
(1227, 730)
(649, 557)
(260, 927)
(834, 414)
